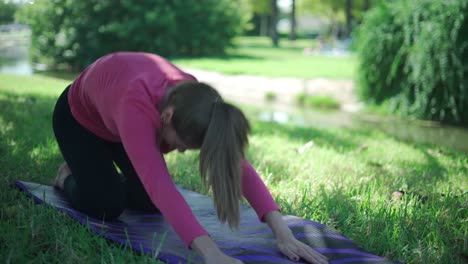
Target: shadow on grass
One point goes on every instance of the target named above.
(27, 144)
(366, 225)
(408, 229)
(418, 174)
(320, 137)
(344, 210)
(27, 152)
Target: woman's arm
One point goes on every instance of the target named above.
(138, 132)
(139, 137)
(278, 226)
(255, 191)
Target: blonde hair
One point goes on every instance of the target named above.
(202, 119)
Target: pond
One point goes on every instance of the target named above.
(409, 131)
(14, 53)
(19, 64)
(14, 59)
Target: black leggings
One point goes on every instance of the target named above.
(95, 186)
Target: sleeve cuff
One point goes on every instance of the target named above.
(262, 215)
(188, 240)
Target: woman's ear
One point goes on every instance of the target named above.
(166, 115)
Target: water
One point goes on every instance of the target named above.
(409, 131)
(19, 67)
(14, 59)
(14, 54)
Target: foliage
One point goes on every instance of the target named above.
(335, 8)
(261, 7)
(270, 96)
(7, 11)
(78, 32)
(317, 101)
(415, 54)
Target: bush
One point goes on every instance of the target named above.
(323, 102)
(78, 32)
(270, 96)
(7, 11)
(414, 54)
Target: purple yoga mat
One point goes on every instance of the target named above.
(253, 243)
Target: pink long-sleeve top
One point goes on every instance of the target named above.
(117, 99)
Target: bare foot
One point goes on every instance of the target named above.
(62, 173)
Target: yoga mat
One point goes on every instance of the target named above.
(253, 243)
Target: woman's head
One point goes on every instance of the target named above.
(201, 119)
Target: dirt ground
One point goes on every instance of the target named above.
(252, 89)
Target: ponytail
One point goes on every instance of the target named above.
(220, 130)
(220, 157)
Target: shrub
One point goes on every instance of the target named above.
(7, 10)
(317, 101)
(78, 32)
(270, 96)
(414, 54)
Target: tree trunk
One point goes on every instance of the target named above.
(366, 5)
(273, 24)
(292, 34)
(263, 25)
(349, 17)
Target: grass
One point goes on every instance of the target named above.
(345, 180)
(256, 56)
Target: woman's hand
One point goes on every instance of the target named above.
(210, 251)
(288, 244)
(220, 257)
(295, 250)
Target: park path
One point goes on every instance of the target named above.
(252, 89)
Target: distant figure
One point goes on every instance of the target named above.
(317, 50)
(308, 51)
(129, 109)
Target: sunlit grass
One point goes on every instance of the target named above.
(345, 178)
(256, 56)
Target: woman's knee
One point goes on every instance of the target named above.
(107, 204)
(105, 212)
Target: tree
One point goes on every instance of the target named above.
(292, 33)
(349, 17)
(273, 26)
(348, 12)
(332, 9)
(75, 33)
(413, 57)
(7, 12)
(366, 5)
(262, 8)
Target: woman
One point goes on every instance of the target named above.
(129, 109)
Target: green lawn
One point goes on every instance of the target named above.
(256, 56)
(338, 181)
